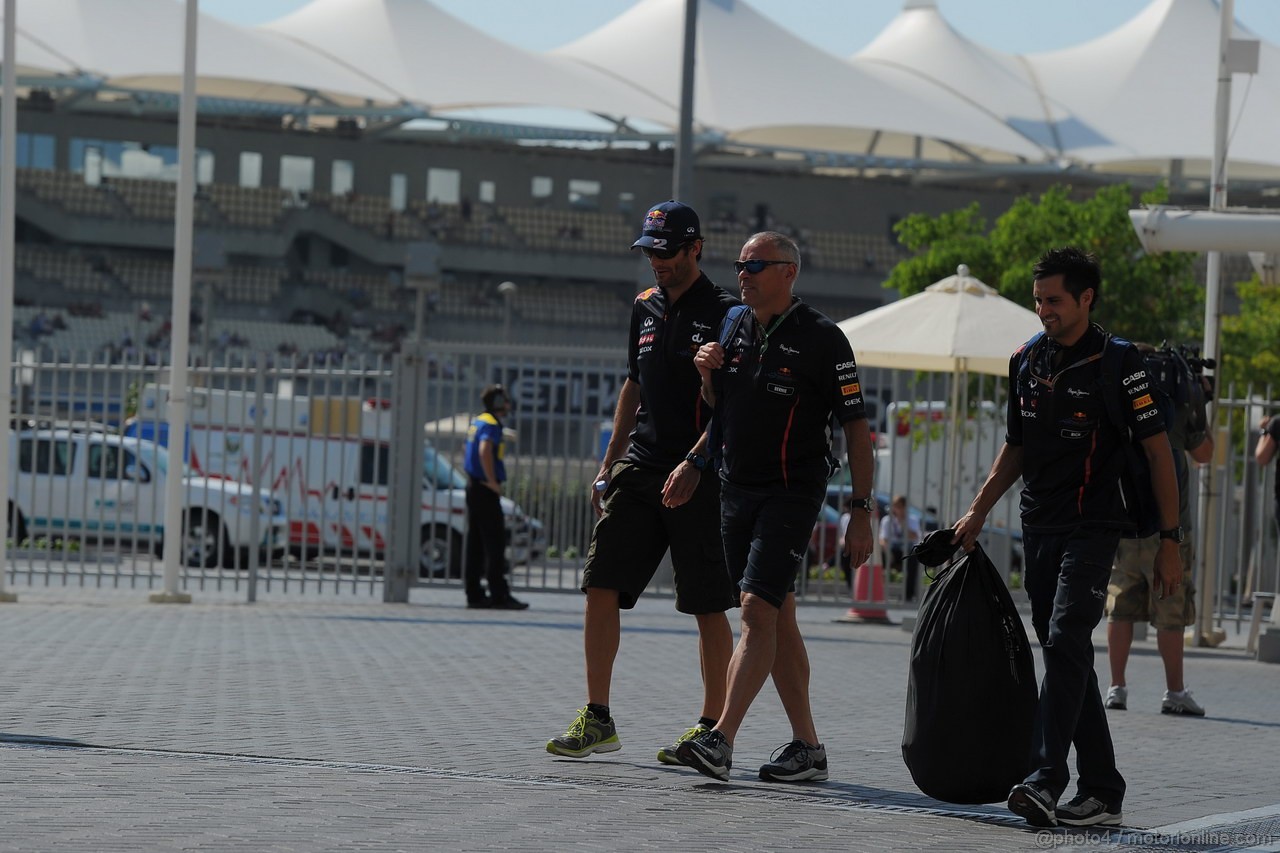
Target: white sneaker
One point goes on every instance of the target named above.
(1118, 697)
(1181, 703)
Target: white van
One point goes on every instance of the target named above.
(104, 487)
(328, 461)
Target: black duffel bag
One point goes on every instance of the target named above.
(971, 696)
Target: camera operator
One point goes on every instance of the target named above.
(1132, 594)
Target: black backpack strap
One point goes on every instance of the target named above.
(729, 327)
(1112, 364)
(731, 323)
(1024, 360)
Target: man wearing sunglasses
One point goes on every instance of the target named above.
(1062, 444)
(777, 382)
(651, 493)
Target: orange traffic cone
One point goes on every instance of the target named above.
(868, 596)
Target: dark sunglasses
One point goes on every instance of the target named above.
(753, 266)
(664, 254)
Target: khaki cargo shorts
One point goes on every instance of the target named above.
(1131, 594)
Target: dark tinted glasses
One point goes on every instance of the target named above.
(753, 266)
(664, 254)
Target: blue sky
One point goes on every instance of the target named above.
(839, 26)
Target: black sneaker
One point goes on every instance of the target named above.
(1085, 810)
(667, 755)
(479, 603)
(708, 753)
(509, 603)
(1033, 803)
(796, 762)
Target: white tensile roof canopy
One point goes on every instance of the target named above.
(1134, 99)
(431, 58)
(106, 40)
(921, 42)
(792, 92)
(1149, 87)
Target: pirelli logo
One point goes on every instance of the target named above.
(851, 388)
(1141, 402)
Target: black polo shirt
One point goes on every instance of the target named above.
(1072, 455)
(777, 408)
(664, 339)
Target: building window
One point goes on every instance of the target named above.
(342, 178)
(250, 169)
(541, 187)
(444, 186)
(35, 151)
(584, 194)
(297, 173)
(399, 192)
(106, 158)
(488, 192)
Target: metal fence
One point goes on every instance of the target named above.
(318, 438)
(1238, 551)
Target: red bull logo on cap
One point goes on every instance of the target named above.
(656, 221)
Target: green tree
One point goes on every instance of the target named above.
(939, 244)
(1144, 297)
(1249, 341)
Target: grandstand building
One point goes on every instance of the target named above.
(320, 220)
(340, 217)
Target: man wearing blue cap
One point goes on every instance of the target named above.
(652, 493)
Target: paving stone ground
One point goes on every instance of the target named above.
(337, 722)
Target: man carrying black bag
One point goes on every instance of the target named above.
(1062, 443)
(971, 697)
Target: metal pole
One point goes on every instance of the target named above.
(1207, 568)
(682, 177)
(8, 199)
(176, 410)
(255, 521)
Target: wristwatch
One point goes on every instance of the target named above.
(862, 503)
(699, 462)
(1174, 533)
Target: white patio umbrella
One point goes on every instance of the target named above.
(957, 325)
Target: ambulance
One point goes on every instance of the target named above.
(327, 460)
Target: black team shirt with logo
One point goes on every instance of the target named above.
(778, 406)
(1072, 455)
(664, 339)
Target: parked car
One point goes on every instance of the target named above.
(335, 484)
(103, 487)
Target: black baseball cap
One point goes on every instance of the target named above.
(672, 222)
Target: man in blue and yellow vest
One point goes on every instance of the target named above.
(486, 526)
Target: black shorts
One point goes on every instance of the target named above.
(766, 538)
(633, 534)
